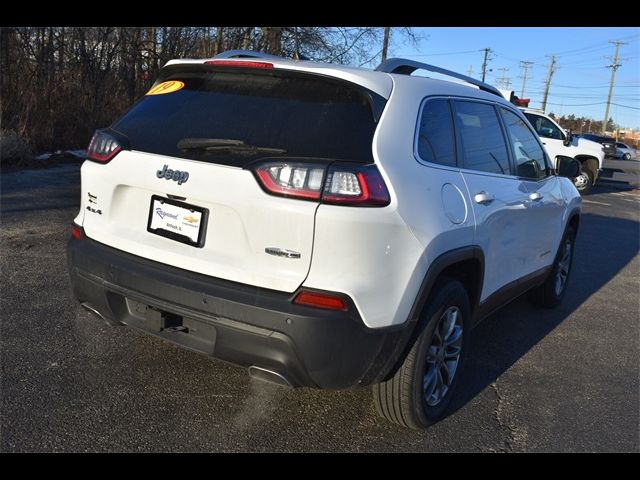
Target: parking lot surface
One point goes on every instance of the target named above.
(557, 380)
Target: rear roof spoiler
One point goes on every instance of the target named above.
(407, 67)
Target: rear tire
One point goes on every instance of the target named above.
(420, 392)
(584, 181)
(626, 156)
(552, 291)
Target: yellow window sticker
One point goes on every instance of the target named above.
(166, 87)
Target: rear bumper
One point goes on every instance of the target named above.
(245, 325)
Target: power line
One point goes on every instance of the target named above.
(596, 86)
(588, 104)
(445, 53)
(625, 106)
(587, 49)
(576, 104)
(505, 56)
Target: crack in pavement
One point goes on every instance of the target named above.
(517, 436)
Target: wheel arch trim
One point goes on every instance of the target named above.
(396, 353)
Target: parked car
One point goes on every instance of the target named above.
(557, 141)
(625, 152)
(608, 143)
(302, 221)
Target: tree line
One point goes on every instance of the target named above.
(58, 84)
(580, 124)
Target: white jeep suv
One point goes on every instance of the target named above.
(323, 226)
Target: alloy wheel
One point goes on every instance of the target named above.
(563, 268)
(581, 181)
(443, 356)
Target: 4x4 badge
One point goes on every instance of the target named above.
(175, 175)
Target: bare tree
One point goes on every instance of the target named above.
(58, 84)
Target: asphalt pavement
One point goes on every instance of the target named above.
(559, 380)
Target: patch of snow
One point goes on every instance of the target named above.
(77, 153)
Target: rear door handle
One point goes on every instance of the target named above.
(535, 196)
(483, 198)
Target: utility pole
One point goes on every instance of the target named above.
(470, 71)
(504, 81)
(487, 51)
(552, 69)
(525, 65)
(614, 66)
(385, 42)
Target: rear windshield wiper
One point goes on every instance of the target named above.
(224, 145)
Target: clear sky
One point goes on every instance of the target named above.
(580, 78)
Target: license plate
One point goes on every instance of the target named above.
(177, 220)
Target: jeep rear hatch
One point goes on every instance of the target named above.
(303, 114)
(197, 142)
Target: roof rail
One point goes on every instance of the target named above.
(407, 67)
(245, 54)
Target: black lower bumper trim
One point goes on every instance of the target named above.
(245, 325)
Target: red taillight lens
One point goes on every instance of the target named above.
(320, 300)
(355, 185)
(103, 147)
(343, 184)
(292, 179)
(239, 63)
(76, 233)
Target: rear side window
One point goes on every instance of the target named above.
(435, 133)
(528, 154)
(482, 139)
(305, 115)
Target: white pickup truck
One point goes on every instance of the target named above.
(557, 141)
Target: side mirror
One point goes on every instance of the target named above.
(568, 167)
(568, 137)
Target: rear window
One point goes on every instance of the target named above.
(306, 115)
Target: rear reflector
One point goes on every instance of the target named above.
(238, 63)
(76, 233)
(320, 300)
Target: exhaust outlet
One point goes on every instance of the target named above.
(88, 307)
(270, 376)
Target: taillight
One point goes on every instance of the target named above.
(361, 186)
(239, 63)
(340, 184)
(320, 300)
(103, 147)
(292, 179)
